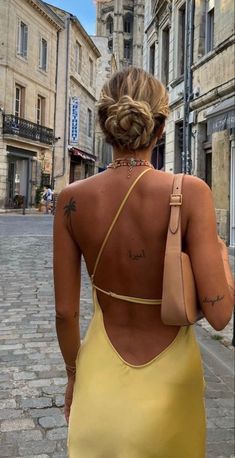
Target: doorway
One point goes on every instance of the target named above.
(18, 182)
(232, 193)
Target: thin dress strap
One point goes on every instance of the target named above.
(114, 221)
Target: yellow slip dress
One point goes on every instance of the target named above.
(121, 410)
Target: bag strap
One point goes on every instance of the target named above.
(174, 241)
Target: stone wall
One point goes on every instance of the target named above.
(25, 71)
(74, 82)
(220, 168)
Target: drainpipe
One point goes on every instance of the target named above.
(185, 89)
(190, 86)
(189, 21)
(55, 105)
(66, 101)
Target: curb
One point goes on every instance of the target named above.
(215, 354)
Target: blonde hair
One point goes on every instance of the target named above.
(132, 106)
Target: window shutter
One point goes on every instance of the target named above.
(18, 36)
(40, 53)
(45, 55)
(25, 40)
(80, 59)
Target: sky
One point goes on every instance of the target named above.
(85, 10)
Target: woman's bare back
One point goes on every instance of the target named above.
(132, 261)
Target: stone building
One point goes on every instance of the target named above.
(164, 58)
(119, 36)
(74, 150)
(106, 66)
(190, 46)
(122, 22)
(213, 107)
(28, 43)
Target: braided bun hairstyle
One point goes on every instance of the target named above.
(132, 107)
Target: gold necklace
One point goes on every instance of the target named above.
(130, 163)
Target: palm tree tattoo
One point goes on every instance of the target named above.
(68, 209)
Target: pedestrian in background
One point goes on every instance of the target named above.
(47, 198)
(135, 385)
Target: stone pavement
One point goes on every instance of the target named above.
(32, 377)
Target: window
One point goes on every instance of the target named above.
(109, 25)
(110, 45)
(181, 40)
(127, 49)
(89, 122)
(78, 57)
(208, 167)
(19, 101)
(41, 102)
(128, 24)
(45, 179)
(43, 54)
(210, 21)
(178, 147)
(22, 43)
(152, 59)
(165, 55)
(91, 67)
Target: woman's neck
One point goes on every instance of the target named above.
(141, 154)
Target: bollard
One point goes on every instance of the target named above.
(23, 206)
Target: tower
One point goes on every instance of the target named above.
(122, 21)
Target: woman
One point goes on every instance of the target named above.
(138, 390)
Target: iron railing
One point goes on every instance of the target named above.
(14, 125)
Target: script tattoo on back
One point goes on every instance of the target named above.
(137, 256)
(212, 300)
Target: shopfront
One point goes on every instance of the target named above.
(82, 164)
(221, 127)
(22, 177)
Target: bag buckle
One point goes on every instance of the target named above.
(176, 200)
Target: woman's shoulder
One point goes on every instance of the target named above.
(195, 187)
(81, 188)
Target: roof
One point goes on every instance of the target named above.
(45, 11)
(63, 14)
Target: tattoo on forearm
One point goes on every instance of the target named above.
(137, 256)
(212, 300)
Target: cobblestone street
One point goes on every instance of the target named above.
(32, 378)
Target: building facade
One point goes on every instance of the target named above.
(28, 53)
(213, 107)
(189, 45)
(106, 66)
(74, 149)
(119, 36)
(122, 22)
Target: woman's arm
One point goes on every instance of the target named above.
(211, 275)
(67, 273)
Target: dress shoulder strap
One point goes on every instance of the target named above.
(115, 220)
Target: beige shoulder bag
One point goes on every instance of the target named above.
(179, 300)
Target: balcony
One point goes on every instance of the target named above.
(19, 127)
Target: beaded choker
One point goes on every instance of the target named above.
(130, 163)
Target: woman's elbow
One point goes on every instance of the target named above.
(220, 322)
(63, 314)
